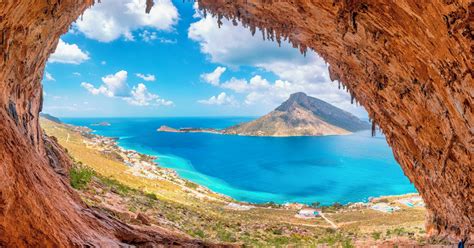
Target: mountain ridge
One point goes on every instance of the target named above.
(301, 115)
(329, 113)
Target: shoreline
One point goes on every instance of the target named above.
(143, 165)
(141, 170)
(141, 189)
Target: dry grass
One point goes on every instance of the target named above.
(168, 204)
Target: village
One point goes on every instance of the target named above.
(384, 204)
(142, 165)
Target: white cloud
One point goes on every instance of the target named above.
(234, 46)
(221, 99)
(103, 62)
(49, 77)
(115, 85)
(140, 96)
(96, 91)
(112, 19)
(214, 77)
(257, 83)
(68, 54)
(77, 74)
(148, 36)
(147, 77)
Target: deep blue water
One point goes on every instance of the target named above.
(261, 169)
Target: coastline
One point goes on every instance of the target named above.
(143, 190)
(146, 165)
(182, 179)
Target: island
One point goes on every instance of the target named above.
(300, 115)
(189, 130)
(102, 124)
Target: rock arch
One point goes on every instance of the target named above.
(408, 62)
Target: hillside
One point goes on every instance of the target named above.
(51, 118)
(301, 115)
(149, 196)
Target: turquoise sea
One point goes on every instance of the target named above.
(262, 169)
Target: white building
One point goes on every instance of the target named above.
(308, 213)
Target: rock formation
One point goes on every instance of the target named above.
(301, 115)
(408, 62)
(38, 208)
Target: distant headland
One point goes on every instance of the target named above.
(101, 124)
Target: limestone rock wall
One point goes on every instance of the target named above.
(408, 62)
(38, 208)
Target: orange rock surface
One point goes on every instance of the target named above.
(408, 62)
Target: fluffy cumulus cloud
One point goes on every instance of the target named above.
(147, 77)
(213, 77)
(258, 90)
(256, 83)
(234, 46)
(111, 19)
(221, 99)
(115, 85)
(140, 96)
(68, 54)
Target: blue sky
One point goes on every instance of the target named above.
(119, 61)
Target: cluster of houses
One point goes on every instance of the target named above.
(376, 204)
(140, 165)
(390, 207)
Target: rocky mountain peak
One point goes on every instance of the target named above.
(325, 111)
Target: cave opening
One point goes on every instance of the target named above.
(105, 72)
(359, 57)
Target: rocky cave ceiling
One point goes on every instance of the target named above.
(409, 63)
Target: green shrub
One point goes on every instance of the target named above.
(80, 176)
(399, 231)
(376, 235)
(337, 205)
(277, 231)
(115, 186)
(151, 196)
(347, 243)
(199, 233)
(191, 185)
(224, 235)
